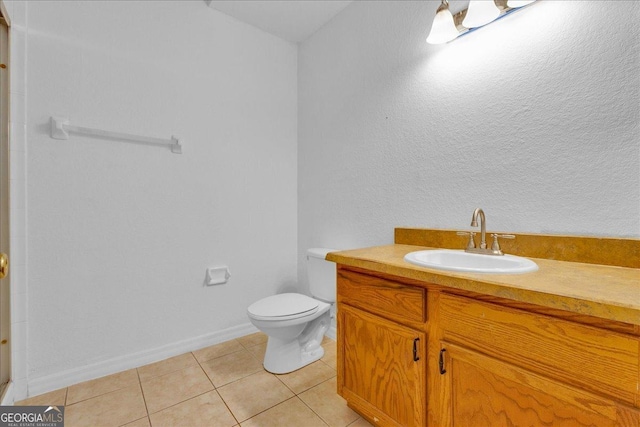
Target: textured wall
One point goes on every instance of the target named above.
(120, 234)
(533, 118)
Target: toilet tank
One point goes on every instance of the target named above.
(321, 274)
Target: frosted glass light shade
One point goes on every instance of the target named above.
(480, 12)
(519, 3)
(443, 28)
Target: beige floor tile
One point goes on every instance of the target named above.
(326, 340)
(290, 413)
(112, 409)
(179, 391)
(258, 350)
(167, 390)
(307, 377)
(253, 339)
(330, 354)
(167, 366)
(361, 422)
(253, 394)
(225, 369)
(142, 422)
(93, 388)
(324, 400)
(53, 398)
(205, 410)
(217, 350)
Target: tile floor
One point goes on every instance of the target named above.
(218, 386)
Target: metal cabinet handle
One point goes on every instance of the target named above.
(441, 362)
(4, 265)
(415, 350)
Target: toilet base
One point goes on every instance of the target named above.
(287, 355)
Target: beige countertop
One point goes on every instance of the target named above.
(603, 291)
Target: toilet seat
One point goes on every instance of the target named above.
(283, 307)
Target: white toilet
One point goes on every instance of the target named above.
(296, 323)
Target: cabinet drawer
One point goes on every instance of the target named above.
(591, 358)
(380, 296)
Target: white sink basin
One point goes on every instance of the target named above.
(445, 259)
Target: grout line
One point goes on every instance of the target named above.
(286, 400)
(310, 387)
(331, 367)
(208, 377)
(271, 407)
(227, 406)
(205, 372)
(252, 345)
(261, 360)
(177, 403)
(306, 390)
(176, 369)
(222, 355)
(144, 399)
(356, 420)
(184, 400)
(118, 387)
(283, 383)
(264, 410)
(310, 408)
(242, 345)
(181, 402)
(130, 422)
(235, 380)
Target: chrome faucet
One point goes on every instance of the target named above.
(482, 249)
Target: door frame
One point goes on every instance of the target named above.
(5, 284)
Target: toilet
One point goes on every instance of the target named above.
(296, 323)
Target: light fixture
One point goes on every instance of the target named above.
(443, 28)
(447, 26)
(519, 3)
(480, 12)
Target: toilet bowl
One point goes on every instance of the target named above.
(296, 323)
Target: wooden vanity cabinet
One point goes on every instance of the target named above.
(482, 361)
(382, 349)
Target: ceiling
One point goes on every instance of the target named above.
(292, 20)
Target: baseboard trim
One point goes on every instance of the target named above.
(69, 377)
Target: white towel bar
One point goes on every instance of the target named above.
(60, 129)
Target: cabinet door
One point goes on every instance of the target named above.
(482, 391)
(590, 358)
(382, 368)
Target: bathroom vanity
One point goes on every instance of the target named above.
(559, 346)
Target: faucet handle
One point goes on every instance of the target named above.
(495, 246)
(471, 244)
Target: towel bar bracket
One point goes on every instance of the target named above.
(57, 128)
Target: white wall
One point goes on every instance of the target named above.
(533, 118)
(120, 234)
